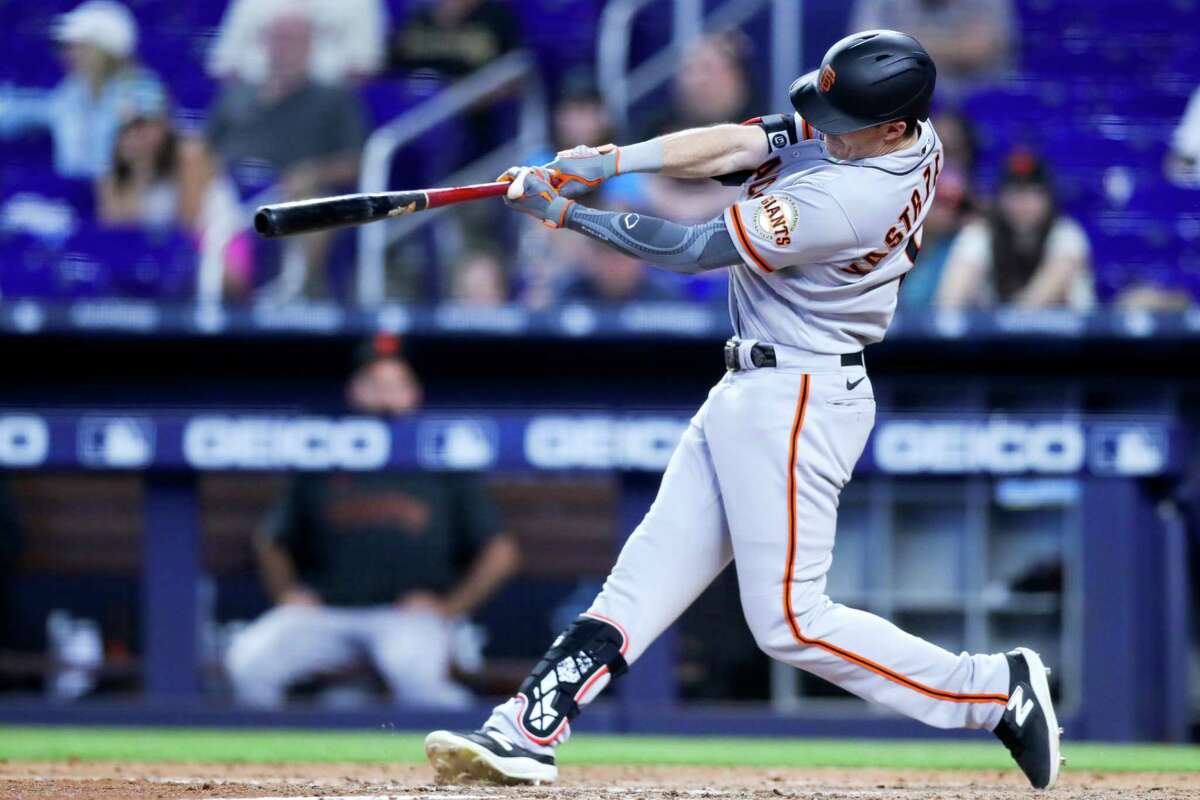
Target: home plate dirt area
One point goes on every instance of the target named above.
(117, 781)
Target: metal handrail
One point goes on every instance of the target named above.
(612, 57)
(517, 68)
(623, 87)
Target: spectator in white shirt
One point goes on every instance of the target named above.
(348, 38)
(1025, 253)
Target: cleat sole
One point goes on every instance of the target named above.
(456, 760)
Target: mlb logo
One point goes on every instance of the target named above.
(461, 444)
(115, 442)
(1128, 449)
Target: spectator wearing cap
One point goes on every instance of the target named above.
(1025, 253)
(372, 567)
(104, 87)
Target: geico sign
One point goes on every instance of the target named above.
(601, 442)
(274, 443)
(24, 440)
(996, 446)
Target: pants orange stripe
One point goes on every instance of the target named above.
(797, 634)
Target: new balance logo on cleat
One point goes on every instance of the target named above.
(1020, 711)
(1029, 727)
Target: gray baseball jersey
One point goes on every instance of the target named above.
(825, 242)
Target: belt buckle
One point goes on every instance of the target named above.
(731, 355)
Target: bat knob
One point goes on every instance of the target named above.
(265, 223)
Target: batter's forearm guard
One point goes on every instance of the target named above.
(585, 652)
(685, 249)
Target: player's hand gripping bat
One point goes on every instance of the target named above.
(321, 213)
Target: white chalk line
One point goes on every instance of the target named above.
(370, 797)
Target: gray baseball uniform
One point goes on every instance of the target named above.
(758, 473)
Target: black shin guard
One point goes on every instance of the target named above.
(551, 693)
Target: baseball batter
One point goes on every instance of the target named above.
(827, 224)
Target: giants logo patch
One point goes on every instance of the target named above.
(828, 76)
(775, 219)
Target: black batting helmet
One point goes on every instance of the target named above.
(866, 79)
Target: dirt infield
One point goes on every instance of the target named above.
(113, 781)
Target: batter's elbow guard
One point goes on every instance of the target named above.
(580, 657)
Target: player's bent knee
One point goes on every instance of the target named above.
(772, 630)
(579, 663)
(254, 653)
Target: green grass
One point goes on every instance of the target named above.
(30, 743)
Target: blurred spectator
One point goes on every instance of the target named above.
(610, 278)
(971, 41)
(950, 211)
(372, 566)
(545, 259)
(348, 39)
(104, 86)
(1026, 253)
(1183, 162)
(479, 280)
(309, 136)
(454, 37)
(712, 85)
(161, 179)
(960, 142)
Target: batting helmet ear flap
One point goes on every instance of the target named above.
(867, 79)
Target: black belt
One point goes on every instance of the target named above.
(763, 355)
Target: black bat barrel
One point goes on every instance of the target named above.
(322, 213)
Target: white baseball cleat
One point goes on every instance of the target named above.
(486, 755)
(1029, 728)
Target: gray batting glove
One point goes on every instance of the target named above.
(532, 193)
(583, 169)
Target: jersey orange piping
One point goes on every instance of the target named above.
(798, 635)
(736, 215)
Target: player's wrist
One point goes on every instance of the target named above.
(641, 157)
(558, 212)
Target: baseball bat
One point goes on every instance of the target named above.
(321, 213)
